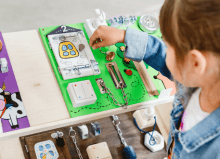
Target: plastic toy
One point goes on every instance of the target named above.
(150, 143)
(96, 129)
(4, 65)
(59, 138)
(99, 151)
(73, 61)
(120, 52)
(92, 24)
(145, 117)
(128, 72)
(81, 93)
(83, 131)
(46, 149)
(153, 140)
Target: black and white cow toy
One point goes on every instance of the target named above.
(11, 107)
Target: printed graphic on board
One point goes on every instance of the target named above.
(12, 112)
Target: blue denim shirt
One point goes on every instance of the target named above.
(203, 140)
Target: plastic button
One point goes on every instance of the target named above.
(65, 54)
(72, 52)
(64, 48)
(70, 47)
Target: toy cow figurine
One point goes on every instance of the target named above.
(11, 107)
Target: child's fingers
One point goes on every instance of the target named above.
(99, 44)
(95, 41)
(95, 37)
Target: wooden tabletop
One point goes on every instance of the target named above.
(42, 97)
(37, 83)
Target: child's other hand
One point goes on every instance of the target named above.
(108, 35)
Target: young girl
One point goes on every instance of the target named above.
(190, 55)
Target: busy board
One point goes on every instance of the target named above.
(108, 134)
(135, 90)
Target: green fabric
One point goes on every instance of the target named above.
(135, 89)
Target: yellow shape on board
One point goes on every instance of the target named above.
(68, 50)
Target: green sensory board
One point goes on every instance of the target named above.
(135, 89)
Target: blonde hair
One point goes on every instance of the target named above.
(191, 24)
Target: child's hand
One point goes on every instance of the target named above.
(108, 35)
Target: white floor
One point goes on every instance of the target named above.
(20, 15)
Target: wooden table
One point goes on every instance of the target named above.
(42, 98)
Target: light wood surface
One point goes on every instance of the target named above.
(42, 97)
(163, 118)
(39, 89)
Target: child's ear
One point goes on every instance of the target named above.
(198, 61)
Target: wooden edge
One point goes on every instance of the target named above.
(81, 119)
(163, 129)
(25, 153)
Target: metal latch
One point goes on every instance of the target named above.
(94, 65)
(115, 75)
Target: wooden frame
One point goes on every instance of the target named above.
(67, 122)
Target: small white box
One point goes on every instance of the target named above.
(142, 122)
(81, 93)
(99, 151)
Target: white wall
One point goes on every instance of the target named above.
(22, 15)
